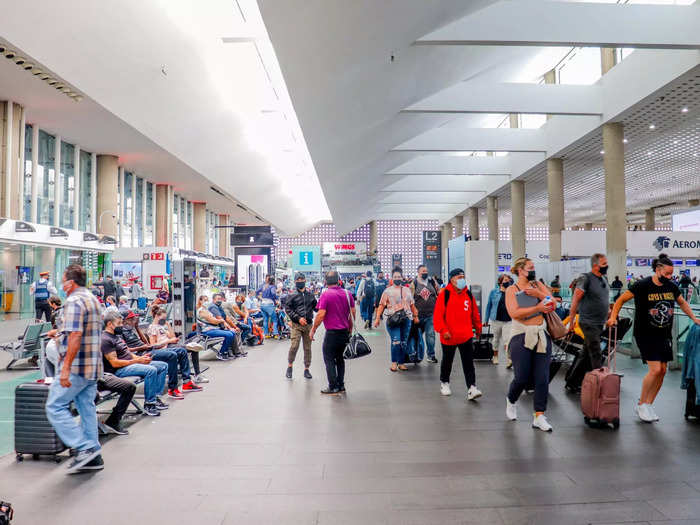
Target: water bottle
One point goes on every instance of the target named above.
(547, 300)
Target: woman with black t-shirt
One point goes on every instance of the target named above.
(654, 301)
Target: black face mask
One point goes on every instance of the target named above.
(424, 276)
(398, 282)
(603, 270)
(664, 279)
(531, 275)
(218, 303)
(161, 322)
(300, 286)
(118, 330)
(506, 284)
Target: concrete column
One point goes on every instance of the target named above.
(492, 221)
(513, 119)
(223, 236)
(517, 229)
(555, 192)
(550, 77)
(692, 203)
(459, 226)
(106, 194)
(6, 168)
(446, 236)
(373, 237)
(57, 183)
(650, 220)
(199, 226)
(587, 226)
(163, 215)
(12, 150)
(474, 224)
(608, 59)
(615, 204)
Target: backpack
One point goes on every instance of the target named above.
(369, 288)
(447, 296)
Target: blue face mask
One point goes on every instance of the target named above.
(461, 283)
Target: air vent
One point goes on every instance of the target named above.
(259, 218)
(216, 190)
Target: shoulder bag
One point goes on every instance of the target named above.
(399, 317)
(357, 345)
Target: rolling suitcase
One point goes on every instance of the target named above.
(691, 409)
(600, 392)
(483, 348)
(33, 432)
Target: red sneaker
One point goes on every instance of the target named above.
(174, 393)
(191, 387)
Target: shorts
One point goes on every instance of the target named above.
(655, 349)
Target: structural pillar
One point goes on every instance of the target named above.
(373, 238)
(608, 59)
(199, 226)
(555, 192)
(459, 226)
(107, 202)
(615, 203)
(163, 215)
(492, 221)
(550, 77)
(587, 226)
(474, 224)
(11, 116)
(446, 236)
(517, 229)
(650, 220)
(224, 236)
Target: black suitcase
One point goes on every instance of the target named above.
(578, 369)
(33, 432)
(691, 409)
(483, 348)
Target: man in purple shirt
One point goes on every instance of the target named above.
(336, 308)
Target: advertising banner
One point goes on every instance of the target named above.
(306, 259)
(639, 244)
(344, 253)
(535, 250)
(432, 251)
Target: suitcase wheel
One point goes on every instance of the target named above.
(56, 458)
(616, 423)
(587, 421)
(35, 457)
(20, 457)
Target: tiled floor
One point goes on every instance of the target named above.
(257, 448)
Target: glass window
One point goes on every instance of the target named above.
(127, 209)
(581, 66)
(85, 212)
(176, 203)
(119, 207)
(182, 223)
(67, 186)
(138, 195)
(46, 177)
(190, 242)
(149, 241)
(27, 206)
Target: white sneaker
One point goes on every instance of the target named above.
(643, 413)
(473, 393)
(652, 412)
(201, 379)
(445, 389)
(511, 410)
(194, 346)
(494, 360)
(541, 423)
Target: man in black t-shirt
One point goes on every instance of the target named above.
(655, 299)
(425, 291)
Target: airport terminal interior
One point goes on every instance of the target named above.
(328, 262)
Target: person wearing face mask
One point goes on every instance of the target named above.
(425, 291)
(498, 319)
(456, 319)
(300, 309)
(213, 326)
(655, 298)
(530, 344)
(592, 302)
(397, 301)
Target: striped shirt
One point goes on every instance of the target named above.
(82, 313)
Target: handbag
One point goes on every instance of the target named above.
(357, 346)
(397, 318)
(555, 326)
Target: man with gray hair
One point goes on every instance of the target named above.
(591, 301)
(123, 307)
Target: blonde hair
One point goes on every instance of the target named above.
(519, 264)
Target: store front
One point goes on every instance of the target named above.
(27, 249)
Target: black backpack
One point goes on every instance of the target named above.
(447, 296)
(369, 288)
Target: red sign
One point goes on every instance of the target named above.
(156, 256)
(344, 247)
(156, 282)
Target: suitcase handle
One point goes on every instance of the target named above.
(612, 346)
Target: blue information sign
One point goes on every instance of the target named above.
(306, 259)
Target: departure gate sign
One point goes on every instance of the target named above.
(432, 251)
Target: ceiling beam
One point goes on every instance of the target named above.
(570, 24)
(456, 138)
(453, 165)
(481, 97)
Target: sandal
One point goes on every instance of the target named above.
(393, 368)
(403, 367)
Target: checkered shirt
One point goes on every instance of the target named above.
(82, 312)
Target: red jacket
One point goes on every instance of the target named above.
(460, 317)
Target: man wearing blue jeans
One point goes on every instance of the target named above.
(122, 363)
(213, 327)
(81, 367)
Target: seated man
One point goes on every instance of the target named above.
(163, 339)
(123, 307)
(236, 317)
(217, 310)
(252, 305)
(213, 327)
(126, 390)
(118, 360)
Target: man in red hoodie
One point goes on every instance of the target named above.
(456, 318)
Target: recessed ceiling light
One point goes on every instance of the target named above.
(44, 76)
(675, 142)
(625, 141)
(602, 152)
(650, 152)
(652, 126)
(9, 54)
(51, 81)
(19, 61)
(684, 110)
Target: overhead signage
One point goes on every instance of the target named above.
(639, 244)
(432, 251)
(688, 221)
(344, 253)
(58, 232)
(306, 259)
(535, 250)
(23, 227)
(155, 256)
(396, 260)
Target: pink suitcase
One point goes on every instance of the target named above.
(600, 391)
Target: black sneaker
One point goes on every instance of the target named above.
(289, 372)
(115, 428)
(82, 458)
(342, 389)
(149, 409)
(242, 354)
(222, 356)
(96, 464)
(159, 405)
(432, 359)
(307, 374)
(330, 391)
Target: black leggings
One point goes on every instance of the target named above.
(466, 353)
(529, 365)
(195, 362)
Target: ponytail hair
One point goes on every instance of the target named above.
(661, 260)
(518, 265)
